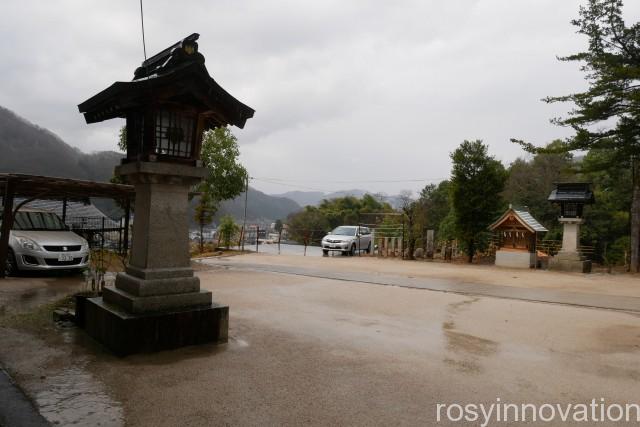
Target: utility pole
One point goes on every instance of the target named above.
(244, 222)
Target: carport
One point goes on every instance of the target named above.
(35, 187)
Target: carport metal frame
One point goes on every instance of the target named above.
(33, 187)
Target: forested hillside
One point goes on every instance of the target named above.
(28, 148)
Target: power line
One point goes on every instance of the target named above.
(371, 181)
(144, 46)
(287, 184)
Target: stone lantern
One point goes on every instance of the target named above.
(571, 197)
(157, 302)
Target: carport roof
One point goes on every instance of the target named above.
(54, 188)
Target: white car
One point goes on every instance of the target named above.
(40, 240)
(347, 239)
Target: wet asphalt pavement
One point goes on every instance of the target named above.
(320, 342)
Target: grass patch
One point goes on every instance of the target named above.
(38, 319)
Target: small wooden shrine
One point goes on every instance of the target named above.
(517, 233)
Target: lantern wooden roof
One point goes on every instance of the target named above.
(573, 192)
(514, 218)
(176, 75)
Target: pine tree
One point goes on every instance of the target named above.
(606, 116)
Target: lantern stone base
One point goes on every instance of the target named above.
(126, 333)
(155, 309)
(140, 291)
(570, 261)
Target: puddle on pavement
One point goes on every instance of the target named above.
(56, 373)
(465, 349)
(74, 397)
(459, 342)
(464, 366)
(617, 339)
(455, 307)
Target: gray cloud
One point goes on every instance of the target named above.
(343, 91)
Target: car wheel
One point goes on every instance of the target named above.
(325, 252)
(11, 266)
(368, 250)
(352, 252)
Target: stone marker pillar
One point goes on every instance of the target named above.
(430, 244)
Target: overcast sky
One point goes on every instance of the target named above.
(344, 91)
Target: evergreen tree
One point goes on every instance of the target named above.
(204, 212)
(477, 180)
(227, 177)
(227, 229)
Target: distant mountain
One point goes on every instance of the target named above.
(29, 149)
(313, 198)
(303, 198)
(261, 208)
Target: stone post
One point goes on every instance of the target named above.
(430, 243)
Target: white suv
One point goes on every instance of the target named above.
(347, 239)
(40, 240)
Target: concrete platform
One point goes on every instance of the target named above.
(125, 333)
(515, 259)
(570, 261)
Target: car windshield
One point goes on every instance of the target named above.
(38, 221)
(345, 231)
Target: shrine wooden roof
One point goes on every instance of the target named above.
(177, 74)
(522, 217)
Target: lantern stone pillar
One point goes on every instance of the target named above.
(569, 258)
(158, 275)
(157, 303)
(570, 234)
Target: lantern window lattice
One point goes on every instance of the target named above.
(174, 134)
